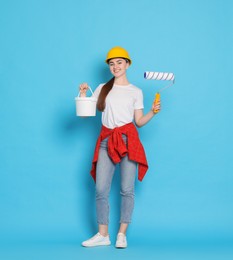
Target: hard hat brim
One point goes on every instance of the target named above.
(107, 61)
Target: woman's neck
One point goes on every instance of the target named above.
(121, 81)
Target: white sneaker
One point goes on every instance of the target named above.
(97, 240)
(121, 241)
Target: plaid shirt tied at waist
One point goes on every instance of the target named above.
(118, 149)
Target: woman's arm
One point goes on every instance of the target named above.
(141, 119)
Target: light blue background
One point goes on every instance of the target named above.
(47, 49)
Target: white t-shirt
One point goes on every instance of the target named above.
(121, 102)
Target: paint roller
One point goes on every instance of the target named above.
(159, 76)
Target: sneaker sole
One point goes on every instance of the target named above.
(120, 246)
(98, 244)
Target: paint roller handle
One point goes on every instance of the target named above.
(156, 103)
(83, 87)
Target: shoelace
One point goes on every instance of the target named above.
(121, 238)
(97, 235)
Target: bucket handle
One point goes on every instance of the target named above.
(90, 90)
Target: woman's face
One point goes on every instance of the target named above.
(118, 67)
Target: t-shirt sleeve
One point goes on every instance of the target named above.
(97, 90)
(138, 104)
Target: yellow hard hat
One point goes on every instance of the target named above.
(118, 52)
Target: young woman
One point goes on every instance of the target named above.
(121, 103)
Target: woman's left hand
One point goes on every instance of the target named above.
(156, 107)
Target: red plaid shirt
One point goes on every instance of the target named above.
(117, 148)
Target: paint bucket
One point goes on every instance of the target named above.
(86, 106)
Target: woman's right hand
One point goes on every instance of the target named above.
(83, 89)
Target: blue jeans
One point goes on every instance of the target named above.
(104, 174)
